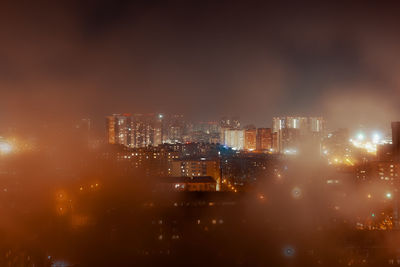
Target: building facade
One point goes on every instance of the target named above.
(264, 139)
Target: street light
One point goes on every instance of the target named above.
(5, 148)
(360, 136)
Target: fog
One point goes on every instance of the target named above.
(294, 219)
(72, 60)
(66, 199)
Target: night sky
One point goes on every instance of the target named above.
(205, 59)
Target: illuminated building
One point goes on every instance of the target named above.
(232, 123)
(119, 130)
(234, 138)
(202, 137)
(277, 124)
(158, 130)
(304, 124)
(134, 131)
(275, 142)
(208, 150)
(292, 129)
(264, 139)
(280, 123)
(203, 132)
(288, 140)
(247, 168)
(208, 127)
(144, 130)
(250, 139)
(382, 171)
(396, 140)
(228, 133)
(174, 128)
(222, 135)
(196, 167)
(316, 124)
(150, 161)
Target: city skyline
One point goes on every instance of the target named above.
(199, 133)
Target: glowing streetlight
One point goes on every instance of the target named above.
(389, 195)
(360, 136)
(5, 148)
(376, 137)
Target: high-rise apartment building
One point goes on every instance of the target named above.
(292, 129)
(197, 168)
(234, 138)
(119, 129)
(316, 124)
(264, 139)
(134, 131)
(250, 139)
(174, 128)
(232, 123)
(396, 140)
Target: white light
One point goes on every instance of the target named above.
(290, 152)
(376, 137)
(5, 148)
(360, 136)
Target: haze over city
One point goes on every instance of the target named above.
(205, 59)
(199, 133)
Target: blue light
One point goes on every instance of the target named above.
(289, 252)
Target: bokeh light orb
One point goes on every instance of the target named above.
(289, 251)
(297, 193)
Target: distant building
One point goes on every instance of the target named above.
(316, 124)
(196, 167)
(250, 139)
(264, 139)
(396, 140)
(292, 129)
(289, 140)
(377, 171)
(275, 142)
(134, 131)
(148, 161)
(174, 128)
(280, 123)
(208, 127)
(231, 123)
(119, 130)
(234, 138)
